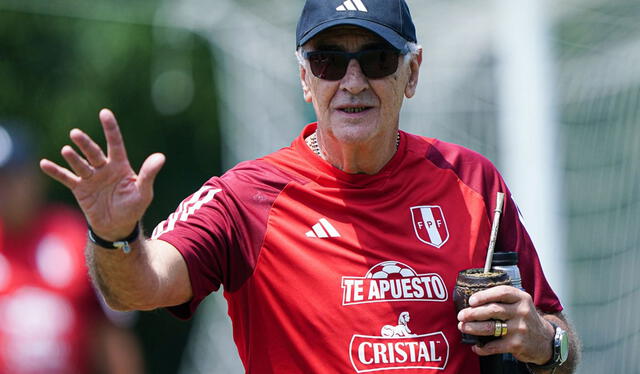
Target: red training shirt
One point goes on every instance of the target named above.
(329, 272)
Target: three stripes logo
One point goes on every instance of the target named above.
(323, 229)
(185, 209)
(352, 5)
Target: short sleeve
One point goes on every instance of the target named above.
(477, 172)
(219, 229)
(202, 229)
(513, 237)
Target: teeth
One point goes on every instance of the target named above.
(353, 110)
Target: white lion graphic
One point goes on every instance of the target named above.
(399, 331)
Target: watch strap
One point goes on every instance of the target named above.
(123, 244)
(555, 361)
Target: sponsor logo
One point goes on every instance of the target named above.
(393, 281)
(398, 348)
(352, 5)
(430, 225)
(323, 229)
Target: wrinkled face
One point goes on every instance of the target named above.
(356, 108)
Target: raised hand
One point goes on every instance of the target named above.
(111, 195)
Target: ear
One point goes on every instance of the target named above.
(412, 83)
(306, 91)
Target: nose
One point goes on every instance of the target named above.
(354, 81)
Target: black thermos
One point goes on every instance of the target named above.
(504, 363)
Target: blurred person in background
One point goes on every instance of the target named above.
(51, 321)
(322, 246)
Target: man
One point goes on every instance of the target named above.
(50, 319)
(322, 244)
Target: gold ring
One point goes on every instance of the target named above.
(504, 329)
(498, 328)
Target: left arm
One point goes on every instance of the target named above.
(529, 333)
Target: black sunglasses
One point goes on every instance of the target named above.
(332, 65)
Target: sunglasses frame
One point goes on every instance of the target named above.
(354, 55)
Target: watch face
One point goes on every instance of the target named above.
(564, 346)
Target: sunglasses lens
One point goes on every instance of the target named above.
(330, 66)
(378, 64)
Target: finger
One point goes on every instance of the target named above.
(78, 164)
(115, 144)
(498, 294)
(493, 347)
(482, 328)
(487, 311)
(59, 173)
(148, 172)
(88, 147)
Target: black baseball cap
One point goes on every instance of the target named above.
(389, 19)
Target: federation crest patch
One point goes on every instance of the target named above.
(430, 225)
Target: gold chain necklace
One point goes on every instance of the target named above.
(312, 142)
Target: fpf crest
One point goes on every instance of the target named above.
(430, 225)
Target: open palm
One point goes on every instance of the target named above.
(111, 195)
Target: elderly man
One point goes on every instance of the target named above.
(322, 244)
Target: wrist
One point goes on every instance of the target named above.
(113, 233)
(550, 332)
(122, 243)
(559, 351)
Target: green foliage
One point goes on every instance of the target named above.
(56, 73)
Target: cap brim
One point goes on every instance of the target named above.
(384, 32)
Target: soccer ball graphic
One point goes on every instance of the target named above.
(390, 269)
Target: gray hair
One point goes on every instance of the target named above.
(413, 48)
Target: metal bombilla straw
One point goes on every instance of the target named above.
(494, 231)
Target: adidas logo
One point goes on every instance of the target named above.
(323, 229)
(352, 5)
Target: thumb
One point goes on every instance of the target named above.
(148, 172)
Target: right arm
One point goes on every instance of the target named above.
(113, 199)
(152, 275)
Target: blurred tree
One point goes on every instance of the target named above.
(56, 73)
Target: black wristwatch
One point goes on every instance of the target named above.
(559, 347)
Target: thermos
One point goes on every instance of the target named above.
(508, 261)
(504, 363)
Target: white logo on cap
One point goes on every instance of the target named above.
(352, 5)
